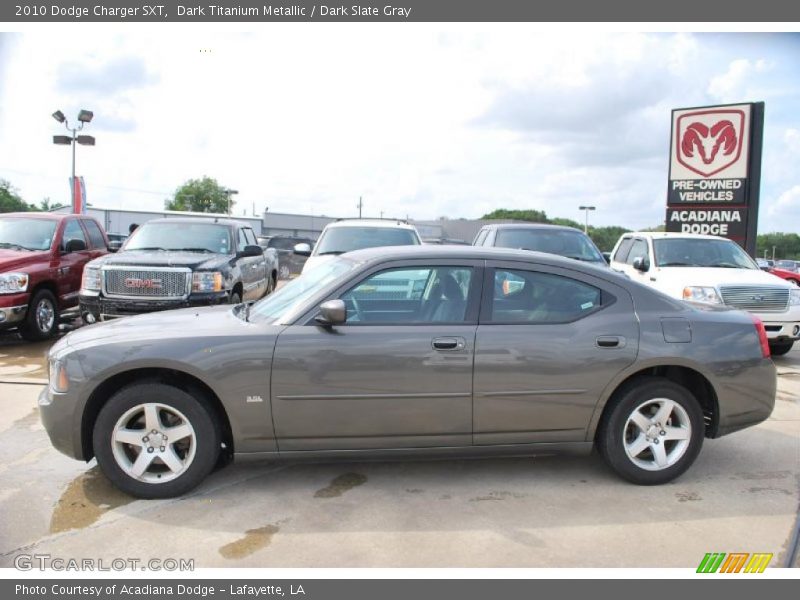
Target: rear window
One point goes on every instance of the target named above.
(337, 240)
(565, 242)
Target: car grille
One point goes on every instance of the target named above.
(758, 299)
(146, 283)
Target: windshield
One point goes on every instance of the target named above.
(26, 234)
(337, 240)
(280, 303)
(565, 242)
(191, 237)
(688, 252)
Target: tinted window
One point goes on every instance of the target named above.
(532, 297)
(623, 250)
(687, 252)
(286, 243)
(418, 295)
(94, 234)
(72, 231)
(481, 237)
(565, 242)
(199, 237)
(638, 250)
(337, 240)
(26, 234)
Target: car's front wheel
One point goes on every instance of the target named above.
(653, 432)
(153, 440)
(41, 320)
(780, 348)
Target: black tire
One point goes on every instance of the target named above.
(780, 348)
(33, 328)
(615, 428)
(271, 283)
(196, 411)
(235, 298)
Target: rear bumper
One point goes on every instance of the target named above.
(746, 397)
(103, 309)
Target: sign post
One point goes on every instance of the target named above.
(715, 171)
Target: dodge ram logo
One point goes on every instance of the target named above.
(709, 141)
(135, 282)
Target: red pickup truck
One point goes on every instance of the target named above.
(41, 263)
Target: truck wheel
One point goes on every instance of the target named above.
(653, 432)
(235, 298)
(270, 283)
(780, 348)
(41, 322)
(153, 440)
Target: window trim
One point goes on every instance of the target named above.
(473, 295)
(607, 299)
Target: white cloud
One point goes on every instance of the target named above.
(735, 83)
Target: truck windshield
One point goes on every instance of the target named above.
(701, 252)
(338, 240)
(189, 237)
(564, 242)
(26, 234)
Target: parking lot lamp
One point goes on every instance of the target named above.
(84, 117)
(586, 209)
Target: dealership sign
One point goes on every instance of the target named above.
(714, 172)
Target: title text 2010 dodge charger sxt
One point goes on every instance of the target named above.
(387, 352)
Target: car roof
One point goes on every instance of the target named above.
(45, 216)
(190, 220)
(379, 223)
(549, 226)
(672, 235)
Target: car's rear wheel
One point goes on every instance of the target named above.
(235, 298)
(153, 440)
(653, 432)
(41, 320)
(780, 348)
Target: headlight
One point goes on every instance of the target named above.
(207, 282)
(794, 298)
(59, 382)
(11, 283)
(701, 294)
(91, 279)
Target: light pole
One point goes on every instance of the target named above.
(229, 193)
(586, 209)
(84, 116)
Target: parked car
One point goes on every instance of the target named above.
(42, 256)
(355, 234)
(765, 264)
(115, 241)
(445, 241)
(175, 263)
(792, 277)
(484, 352)
(289, 263)
(787, 265)
(554, 239)
(714, 270)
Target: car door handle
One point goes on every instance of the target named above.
(449, 343)
(610, 341)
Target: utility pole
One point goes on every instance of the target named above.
(586, 222)
(360, 206)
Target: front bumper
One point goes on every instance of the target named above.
(11, 316)
(102, 309)
(782, 330)
(58, 413)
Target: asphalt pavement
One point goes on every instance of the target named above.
(741, 495)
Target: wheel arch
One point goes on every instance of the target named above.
(180, 379)
(697, 383)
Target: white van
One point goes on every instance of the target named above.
(715, 270)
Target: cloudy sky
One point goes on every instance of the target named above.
(424, 120)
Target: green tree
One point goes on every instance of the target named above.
(10, 201)
(200, 195)
(787, 245)
(535, 216)
(46, 205)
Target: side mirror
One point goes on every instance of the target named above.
(332, 312)
(302, 249)
(114, 245)
(252, 251)
(641, 263)
(75, 246)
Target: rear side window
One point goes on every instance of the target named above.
(94, 234)
(72, 231)
(534, 297)
(623, 250)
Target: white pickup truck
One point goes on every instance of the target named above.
(706, 268)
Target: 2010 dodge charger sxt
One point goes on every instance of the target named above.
(401, 352)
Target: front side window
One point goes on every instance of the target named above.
(638, 250)
(481, 237)
(72, 231)
(534, 297)
(623, 250)
(338, 240)
(410, 295)
(94, 234)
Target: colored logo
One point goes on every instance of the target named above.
(735, 562)
(710, 141)
(134, 282)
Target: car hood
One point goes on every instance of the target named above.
(314, 261)
(187, 322)
(15, 259)
(716, 277)
(157, 258)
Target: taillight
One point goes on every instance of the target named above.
(762, 336)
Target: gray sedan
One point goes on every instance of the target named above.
(415, 351)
